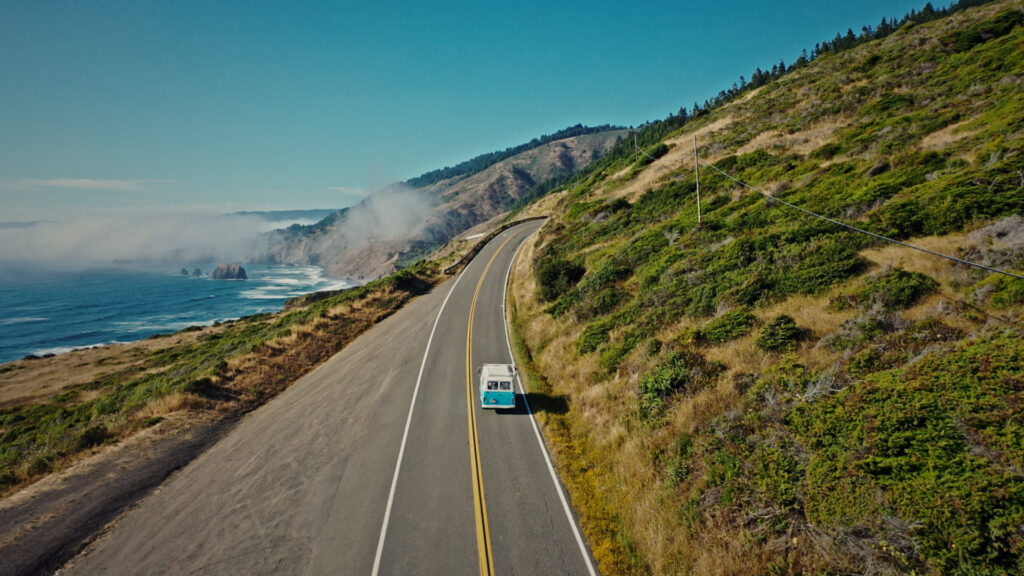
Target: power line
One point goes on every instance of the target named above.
(639, 152)
(861, 230)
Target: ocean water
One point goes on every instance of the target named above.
(53, 312)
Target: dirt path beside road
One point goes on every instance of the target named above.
(49, 522)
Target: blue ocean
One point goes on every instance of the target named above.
(44, 312)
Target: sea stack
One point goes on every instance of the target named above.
(184, 272)
(229, 272)
(196, 272)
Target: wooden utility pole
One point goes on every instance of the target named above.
(696, 171)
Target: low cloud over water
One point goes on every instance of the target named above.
(173, 237)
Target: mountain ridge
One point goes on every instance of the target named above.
(416, 220)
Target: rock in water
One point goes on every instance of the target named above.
(229, 272)
(196, 273)
(184, 272)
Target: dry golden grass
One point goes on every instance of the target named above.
(174, 402)
(803, 142)
(679, 156)
(645, 180)
(942, 139)
(750, 95)
(621, 173)
(545, 205)
(851, 85)
(894, 255)
(595, 485)
(771, 139)
(810, 312)
(701, 133)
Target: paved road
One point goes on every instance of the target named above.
(308, 483)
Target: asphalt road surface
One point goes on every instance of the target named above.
(370, 464)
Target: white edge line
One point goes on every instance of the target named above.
(405, 434)
(536, 430)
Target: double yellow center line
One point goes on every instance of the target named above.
(483, 531)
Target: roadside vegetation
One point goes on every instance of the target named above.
(766, 392)
(761, 392)
(225, 370)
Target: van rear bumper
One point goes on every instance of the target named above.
(498, 403)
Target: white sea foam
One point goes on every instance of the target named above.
(288, 281)
(260, 294)
(26, 320)
(65, 349)
(155, 324)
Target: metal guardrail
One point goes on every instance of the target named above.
(483, 242)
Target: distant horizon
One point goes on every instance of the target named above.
(228, 107)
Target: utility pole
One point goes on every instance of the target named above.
(696, 172)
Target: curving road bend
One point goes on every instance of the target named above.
(368, 464)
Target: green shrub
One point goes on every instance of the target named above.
(682, 370)
(651, 154)
(828, 151)
(822, 265)
(935, 444)
(899, 289)
(780, 335)
(662, 381)
(600, 304)
(729, 326)
(859, 331)
(614, 354)
(786, 379)
(888, 103)
(92, 436)
(593, 336)
(776, 474)
(895, 289)
(1001, 25)
(556, 275)
(1007, 292)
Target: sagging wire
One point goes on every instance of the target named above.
(861, 230)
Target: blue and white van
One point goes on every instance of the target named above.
(496, 387)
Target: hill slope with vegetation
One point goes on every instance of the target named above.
(396, 226)
(765, 391)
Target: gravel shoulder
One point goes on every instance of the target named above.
(44, 525)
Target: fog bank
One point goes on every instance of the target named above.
(168, 237)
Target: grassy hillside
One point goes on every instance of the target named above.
(767, 392)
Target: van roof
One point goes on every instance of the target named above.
(498, 371)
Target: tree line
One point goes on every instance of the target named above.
(656, 131)
(484, 161)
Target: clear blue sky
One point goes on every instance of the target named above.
(260, 105)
